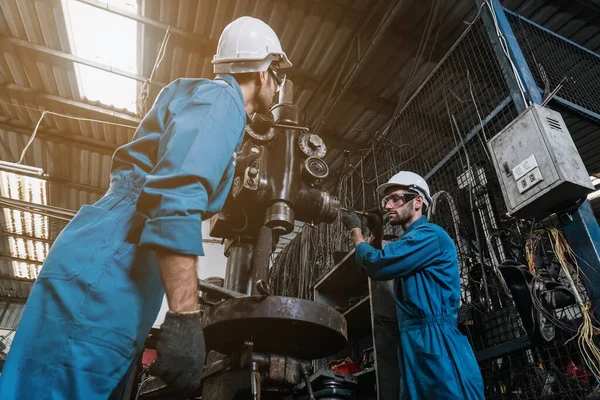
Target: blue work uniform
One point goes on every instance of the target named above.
(436, 361)
(99, 291)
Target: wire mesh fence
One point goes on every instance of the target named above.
(569, 76)
(559, 67)
(552, 371)
(441, 134)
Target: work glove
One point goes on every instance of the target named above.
(375, 222)
(351, 220)
(180, 351)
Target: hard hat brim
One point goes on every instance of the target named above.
(238, 65)
(381, 189)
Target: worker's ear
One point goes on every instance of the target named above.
(263, 77)
(418, 203)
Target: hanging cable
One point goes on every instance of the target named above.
(504, 46)
(145, 90)
(44, 113)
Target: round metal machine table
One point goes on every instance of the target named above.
(280, 325)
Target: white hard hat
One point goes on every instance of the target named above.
(248, 45)
(408, 180)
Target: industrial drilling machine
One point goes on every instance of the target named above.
(262, 345)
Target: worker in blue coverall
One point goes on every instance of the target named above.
(436, 361)
(102, 284)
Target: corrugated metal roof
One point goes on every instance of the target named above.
(575, 20)
(10, 314)
(37, 71)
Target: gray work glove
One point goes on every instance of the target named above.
(180, 352)
(375, 222)
(350, 220)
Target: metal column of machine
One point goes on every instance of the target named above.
(262, 344)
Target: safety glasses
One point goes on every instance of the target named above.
(279, 77)
(398, 200)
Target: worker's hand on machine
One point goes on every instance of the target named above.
(350, 220)
(375, 222)
(180, 351)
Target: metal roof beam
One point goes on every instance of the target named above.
(9, 299)
(67, 183)
(398, 33)
(104, 111)
(54, 136)
(197, 39)
(331, 140)
(80, 60)
(26, 237)
(293, 72)
(35, 208)
(11, 258)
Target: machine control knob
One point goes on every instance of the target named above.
(312, 145)
(315, 142)
(316, 169)
(252, 172)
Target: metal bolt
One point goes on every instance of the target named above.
(250, 181)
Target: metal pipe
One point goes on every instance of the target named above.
(218, 291)
(238, 273)
(42, 209)
(262, 254)
(286, 92)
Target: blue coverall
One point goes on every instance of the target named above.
(436, 361)
(99, 290)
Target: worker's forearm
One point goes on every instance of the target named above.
(180, 281)
(357, 236)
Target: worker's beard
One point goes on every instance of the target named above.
(264, 100)
(401, 215)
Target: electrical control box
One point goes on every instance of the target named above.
(538, 166)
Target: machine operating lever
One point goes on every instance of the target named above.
(309, 390)
(219, 291)
(255, 381)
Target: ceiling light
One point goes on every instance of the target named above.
(20, 168)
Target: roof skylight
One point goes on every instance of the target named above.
(107, 38)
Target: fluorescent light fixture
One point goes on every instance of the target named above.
(26, 226)
(20, 168)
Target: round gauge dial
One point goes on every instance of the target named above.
(261, 137)
(312, 145)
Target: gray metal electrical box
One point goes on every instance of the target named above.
(538, 166)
